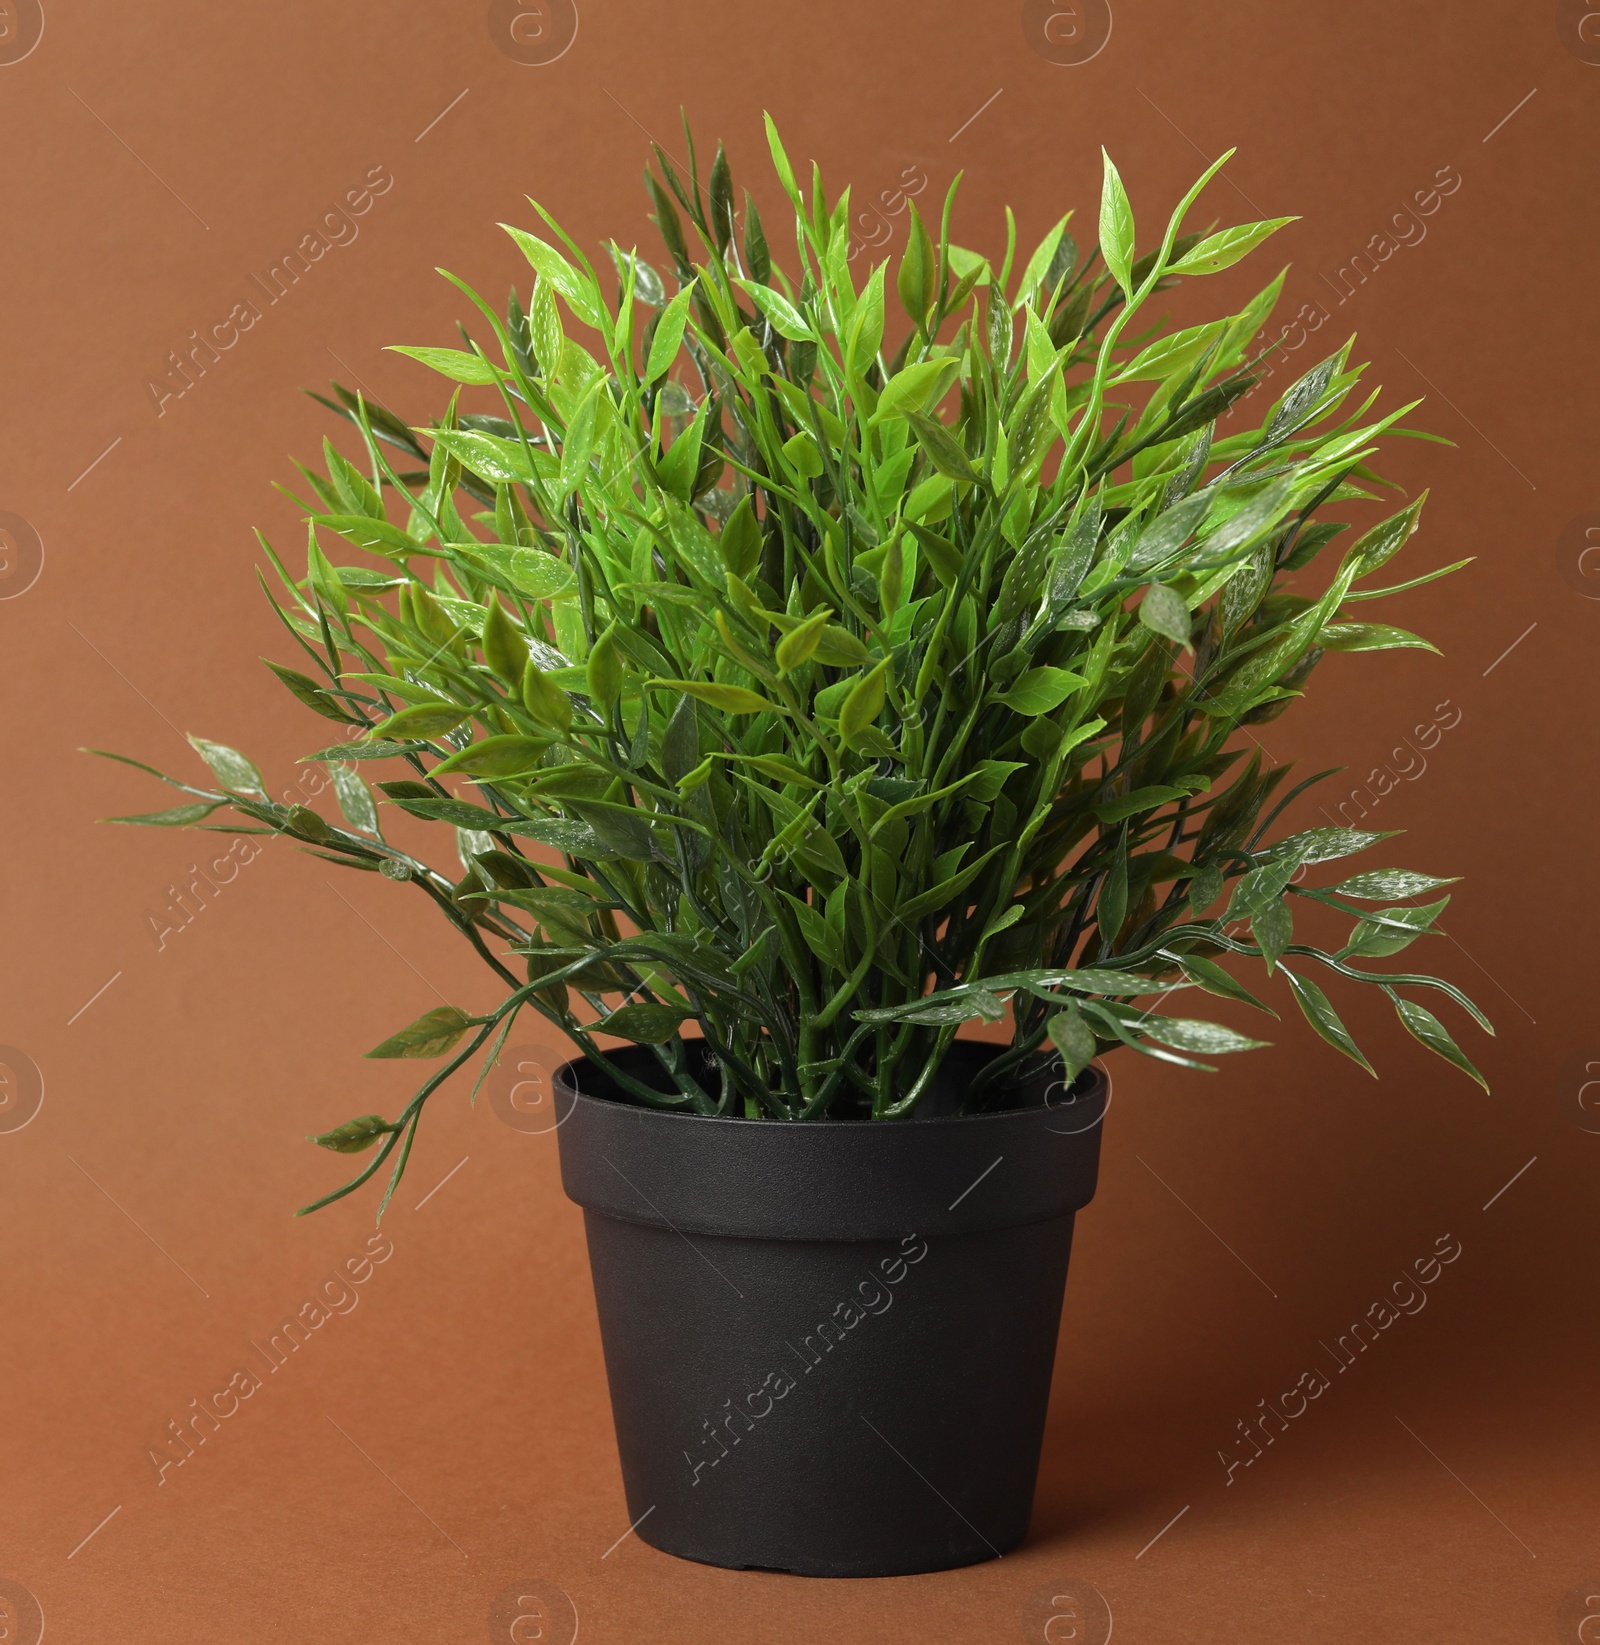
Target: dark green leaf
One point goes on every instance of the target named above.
(1322, 1017)
(1436, 1037)
(643, 1022)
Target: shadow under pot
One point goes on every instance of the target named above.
(829, 1345)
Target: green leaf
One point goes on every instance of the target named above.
(864, 703)
(912, 388)
(578, 447)
(647, 286)
(1322, 1016)
(1315, 845)
(1191, 1034)
(355, 799)
(1273, 929)
(1435, 1036)
(1039, 264)
(452, 363)
(1384, 541)
(231, 769)
(943, 1012)
(1141, 799)
(531, 571)
(1074, 1039)
(798, 644)
(739, 541)
(943, 449)
(505, 647)
(779, 312)
(1204, 889)
(1371, 637)
(643, 1022)
(989, 777)
(668, 337)
(604, 671)
(425, 720)
(376, 536)
(800, 450)
(1210, 976)
(1004, 921)
(1041, 690)
(1386, 884)
(354, 1135)
(576, 288)
(1225, 248)
(731, 699)
(1112, 906)
(178, 816)
(1163, 611)
(918, 272)
(431, 1035)
(545, 700)
(1174, 352)
(1116, 226)
(501, 756)
(309, 692)
(780, 161)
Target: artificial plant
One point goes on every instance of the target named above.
(829, 690)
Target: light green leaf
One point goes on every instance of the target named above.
(1225, 248)
(731, 699)
(577, 288)
(1162, 610)
(1116, 226)
(1041, 690)
(864, 703)
(943, 449)
(668, 337)
(177, 816)
(779, 312)
(1169, 354)
(231, 769)
(914, 387)
(424, 720)
(501, 756)
(453, 363)
(1385, 540)
(355, 799)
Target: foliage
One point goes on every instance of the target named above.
(828, 693)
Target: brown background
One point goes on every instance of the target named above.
(451, 1436)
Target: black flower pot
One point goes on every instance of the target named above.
(829, 1345)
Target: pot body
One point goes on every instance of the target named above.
(829, 1345)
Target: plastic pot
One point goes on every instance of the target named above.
(829, 1345)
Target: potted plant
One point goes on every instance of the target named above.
(830, 683)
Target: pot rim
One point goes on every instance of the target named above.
(819, 1180)
(1099, 1085)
